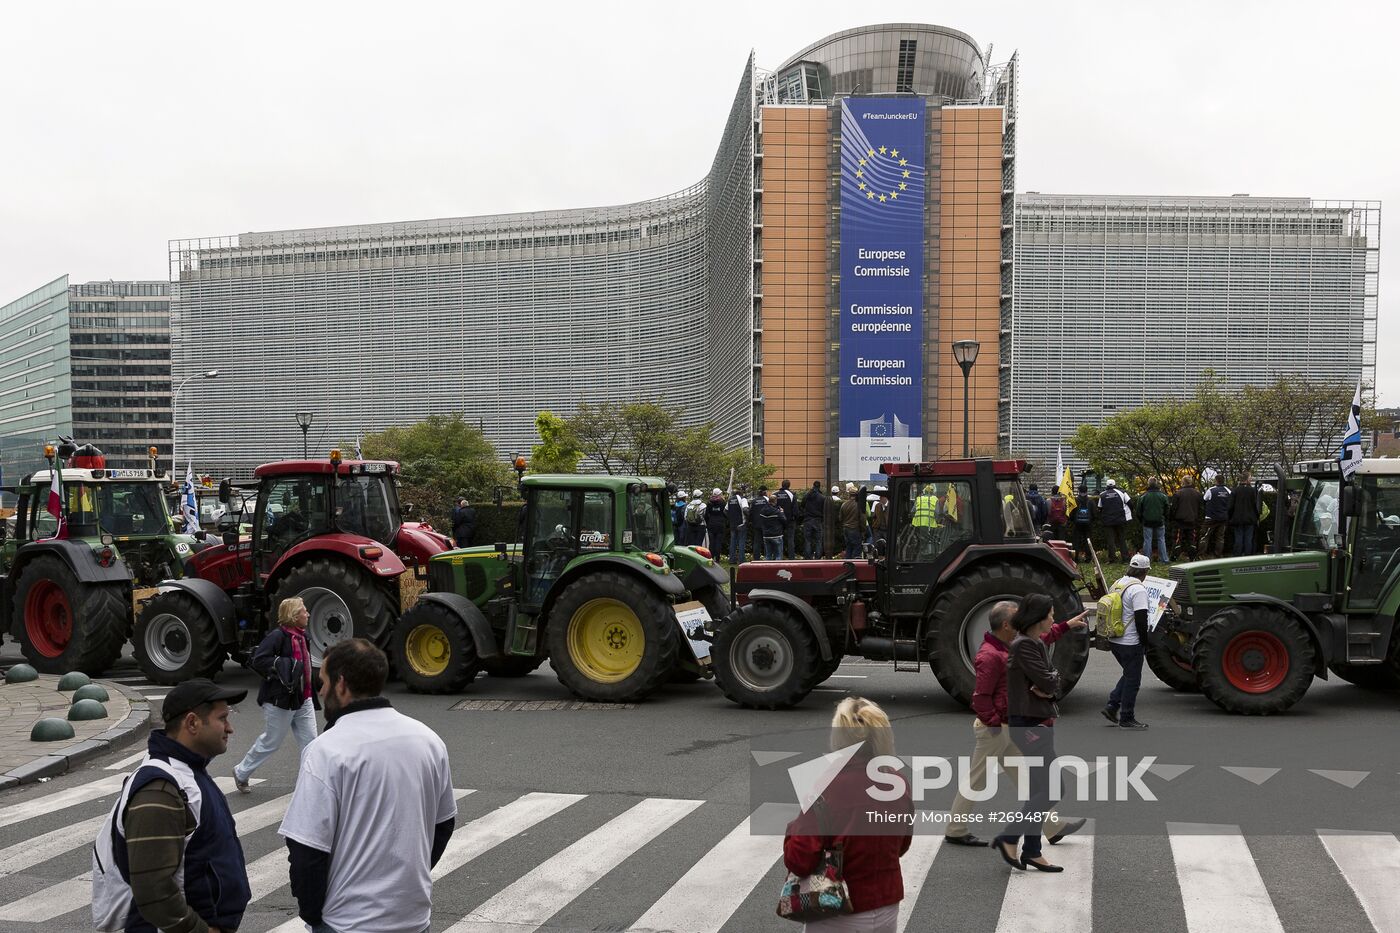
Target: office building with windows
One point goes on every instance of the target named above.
(90, 361)
(1122, 301)
(721, 300)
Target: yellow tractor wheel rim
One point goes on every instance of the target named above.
(606, 641)
(428, 650)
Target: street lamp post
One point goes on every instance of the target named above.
(304, 422)
(175, 410)
(965, 352)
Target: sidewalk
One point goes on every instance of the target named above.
(21, 705)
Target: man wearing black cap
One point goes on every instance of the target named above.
(176, 817)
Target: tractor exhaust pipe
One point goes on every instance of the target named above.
(876, 648)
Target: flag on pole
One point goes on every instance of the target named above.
(1350, 455)
(1064, 483)
(189, 509)
(55, 505)
(359, 452)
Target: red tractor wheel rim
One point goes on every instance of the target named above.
(48, 619)
(1256, 662)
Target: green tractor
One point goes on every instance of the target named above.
(596, 585)
(67, 586)
(1255, 630)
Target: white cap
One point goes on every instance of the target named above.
(716, 491)
(682, 495)
(850, 487)
(1140, 562)
(696, 494)
(835, 489)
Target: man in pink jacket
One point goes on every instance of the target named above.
(989, 726)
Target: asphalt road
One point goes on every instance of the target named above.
(690, 744)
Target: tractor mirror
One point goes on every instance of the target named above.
(880, 547)
(502, 548)
(231, 538)
(1351, 506)
(407, 509)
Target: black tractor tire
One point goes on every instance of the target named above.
(433, 650)
(965, 601)
(1253, 660)
(1174, 673)
(176, 639)
(334, 589)
(617, 607)
(766, 657)
(513, 666)
(66, 625)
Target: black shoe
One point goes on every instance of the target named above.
(1110, 714)
(1068, 829)
(968, 840)
(1000, 845)
(1027, 863)
(1131, 724)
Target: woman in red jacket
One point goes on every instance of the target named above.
(871, 846)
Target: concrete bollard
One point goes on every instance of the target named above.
(73, 680)
(51, 730)
(87, 709)
(21, 674)
(91, 692)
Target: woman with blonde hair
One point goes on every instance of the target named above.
(840, 820)
(287, 698)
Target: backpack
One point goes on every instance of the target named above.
(111, 893)
(1109, 621)
(1057, 510)
(1083, 515)
(695, 512)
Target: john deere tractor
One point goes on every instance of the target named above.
(960, 540)
(1256, 630)
(68, 578)
(595, 584)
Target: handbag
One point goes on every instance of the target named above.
(821, 894)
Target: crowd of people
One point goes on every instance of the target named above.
(777, 525)
(1189, 524)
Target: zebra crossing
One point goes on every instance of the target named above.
(545, 861)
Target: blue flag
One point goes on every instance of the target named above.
(1350, 455)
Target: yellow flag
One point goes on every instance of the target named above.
(1066, 488)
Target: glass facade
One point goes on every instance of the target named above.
(886, 59)
(498, 317)
(36, 395)
(1121, 301)
(120, 340)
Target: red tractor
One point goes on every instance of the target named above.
(329, 531)
(958, 539)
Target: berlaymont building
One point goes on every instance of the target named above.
(858, 219)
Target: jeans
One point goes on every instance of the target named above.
(301, 722)
(773, 548)
(1244, 540)
(1158, 536)
(812, 538)
(736, 544)
(852, 543)
(790, 540)
(1123, 699)
(1034, 741)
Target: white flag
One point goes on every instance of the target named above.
(1059, 469)
(1350, 454)
(189, 509)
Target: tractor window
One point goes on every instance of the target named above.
(364, 507)
(550, 542)
(595, 531)
(295, 509)
(929, 519)
(132, 509)
(1377, 550)
(80, 512)
(1316, 524)
(644, 520)
(1015, 512)
(41, 523)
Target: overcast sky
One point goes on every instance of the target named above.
(125, 125)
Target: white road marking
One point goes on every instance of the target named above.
(916, 865)
(50, 803)
(1221, 889)
(1370, 863)
(486, 832)
(126, 762)
(1065, 904)
(535, 897)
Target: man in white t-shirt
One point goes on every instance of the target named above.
(1130, 648)
(373, 808)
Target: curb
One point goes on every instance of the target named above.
(118, 736)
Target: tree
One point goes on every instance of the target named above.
(440, 458)
(1291, 420)
(558, 450)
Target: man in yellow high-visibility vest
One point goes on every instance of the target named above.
(925, 518)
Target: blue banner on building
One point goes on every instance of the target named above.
(882, 283)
